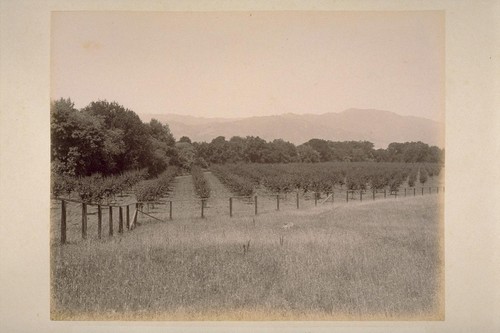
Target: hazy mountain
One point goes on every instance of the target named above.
(379, 127)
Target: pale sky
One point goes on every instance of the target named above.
(239, 64)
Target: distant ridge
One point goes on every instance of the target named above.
(377, 126)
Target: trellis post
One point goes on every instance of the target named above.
(99, 221)
(84, 220)
(120, 220)
(63, 222)
(230, 207)
(110, 221)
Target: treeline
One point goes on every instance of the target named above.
(256, 150)
(107, 138)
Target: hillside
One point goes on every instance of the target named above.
(379, 127)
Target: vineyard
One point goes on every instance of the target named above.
(240, 190)
(244, 179)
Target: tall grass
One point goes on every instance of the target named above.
(370, 260)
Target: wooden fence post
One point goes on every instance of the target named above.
(422, 191)
(120, 220)
(230, 207)
(202, 208)
(385, 193)
(414, 191)
(405, 191)
(347, 196)
(395, 194)
(99, 221)
(84, 220)
(373, 193)
(63, 222)
(297, 199)
(110, 221)
(277, 202)
(127, 211)
(170, 210)
(360, 195)
(256, 210)
(315, 199)
(134, 217)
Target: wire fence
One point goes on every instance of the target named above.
(125, 217)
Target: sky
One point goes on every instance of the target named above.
(242, 64)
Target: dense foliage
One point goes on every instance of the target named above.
(256, 150)
(108, 139)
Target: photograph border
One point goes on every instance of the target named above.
(471, 230)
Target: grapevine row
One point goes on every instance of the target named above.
(201, 186)
(153, 189)
(95, 188)
(322, 177)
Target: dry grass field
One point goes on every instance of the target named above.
(379, 260)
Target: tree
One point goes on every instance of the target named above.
(136, 135)
(307, 154)
(77, 140)
(185, 139)
(254, 149)
(321, 146)
(186, 155)
(162, 133)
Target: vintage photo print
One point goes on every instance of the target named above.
(247, 165)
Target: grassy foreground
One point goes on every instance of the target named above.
(369, 260)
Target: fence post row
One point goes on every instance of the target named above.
(131, 225)
(347, 196)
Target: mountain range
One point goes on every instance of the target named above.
(377, 126)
